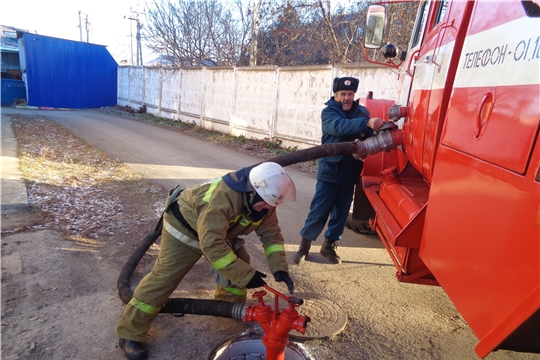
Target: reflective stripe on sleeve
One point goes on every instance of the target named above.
(149, 309)
(224, 261)
(244, 222)
(274, 248)
(210, 191)
(236, 291)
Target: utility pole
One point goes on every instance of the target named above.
(139, 47)
(138, 37)
(131, 40)
(87, 24)
(254, 34)
(80, 25)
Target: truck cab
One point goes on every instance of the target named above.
(457, 203)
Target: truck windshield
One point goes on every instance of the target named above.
(420, 24)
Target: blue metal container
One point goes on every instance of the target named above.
(68, 74)
(11, 90)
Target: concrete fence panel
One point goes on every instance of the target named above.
(255, 102)
(301, 97)
(191, 95)
(136, 93)
(123, 87)
(152, 88)
(219, 98)
(277, 103)
(170, 93)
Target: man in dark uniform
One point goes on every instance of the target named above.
(343, 119)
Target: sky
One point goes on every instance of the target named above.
(60, 19)
(108, 19)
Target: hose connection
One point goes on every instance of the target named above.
(396, 112)
(388, 138)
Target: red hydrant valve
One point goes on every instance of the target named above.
(276, 325)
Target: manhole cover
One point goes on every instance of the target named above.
(327, 318)
(252, 348)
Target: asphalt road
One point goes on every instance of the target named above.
(386, 319)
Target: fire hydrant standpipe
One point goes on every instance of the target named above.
(276, 324)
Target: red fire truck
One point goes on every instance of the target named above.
(457, 201)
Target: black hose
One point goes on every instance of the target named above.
(316, 152)
(204, 307)
(216, 307)
(124, 279)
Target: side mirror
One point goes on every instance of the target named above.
(376, 19)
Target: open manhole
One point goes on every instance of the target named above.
(252, 348)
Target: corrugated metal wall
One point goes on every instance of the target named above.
(11, 90)
(68, 74)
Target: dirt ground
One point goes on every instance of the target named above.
(62, 256)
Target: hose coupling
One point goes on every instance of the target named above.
(396, 112)
(388, 138)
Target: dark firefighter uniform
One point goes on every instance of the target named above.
(205, 220)
(336, 175)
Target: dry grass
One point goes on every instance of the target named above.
(80, 190)
(52, 155)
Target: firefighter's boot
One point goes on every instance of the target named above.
(303, 251)
(133, 350)
(328, 250)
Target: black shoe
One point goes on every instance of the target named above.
(133, 350)
(303, 251)
(328, 250)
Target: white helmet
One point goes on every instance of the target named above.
(272, 184)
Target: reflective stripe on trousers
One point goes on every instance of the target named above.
(174, 261)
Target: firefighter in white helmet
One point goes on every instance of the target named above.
(207, 220)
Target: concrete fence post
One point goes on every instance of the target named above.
(277, 88)
(179, 109)
(160, 90)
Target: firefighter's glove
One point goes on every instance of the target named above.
(283, 276)
(256, 281)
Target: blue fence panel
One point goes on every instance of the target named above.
(11, 90)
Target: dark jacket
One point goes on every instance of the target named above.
(340, 126)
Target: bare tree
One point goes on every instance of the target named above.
(310, 32)
(344, 30)
(279, 32)
(198, 32)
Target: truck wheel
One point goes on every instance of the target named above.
(359, 226)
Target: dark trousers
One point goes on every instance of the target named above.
(330, 200)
